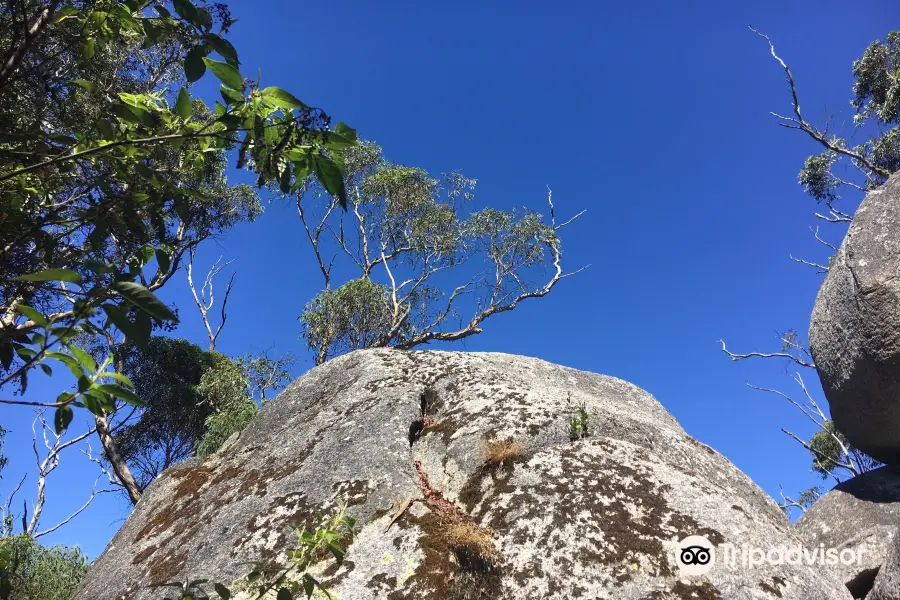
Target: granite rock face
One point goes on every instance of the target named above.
(596, 517)
(887, 582)
(861, 514)
(854, 331)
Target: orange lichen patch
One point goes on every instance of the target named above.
(502, 452)
(165, 570)
(227, 474)
(185, 504)
(144, 554)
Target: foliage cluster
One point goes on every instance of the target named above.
(410, 234)
(332, 535)
(30, 571)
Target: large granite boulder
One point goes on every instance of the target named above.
(854, 331)
(887, 583)
(504, 498)
(861, 514)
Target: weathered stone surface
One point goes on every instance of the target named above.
(595, 518)
(887, 584)
(861, 514)
(854, 331)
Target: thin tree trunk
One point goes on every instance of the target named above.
(119, 466)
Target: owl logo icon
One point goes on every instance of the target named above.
(695, 555)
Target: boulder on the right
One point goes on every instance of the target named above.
(854, 331)
(887, 583)
(862, 515)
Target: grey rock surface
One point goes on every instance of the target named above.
(862, 514)
(595, 518)
(854, 331)
(887, 583)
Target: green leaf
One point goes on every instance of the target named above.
(226, 73)
(88, 48)
(330, 177)
(336, 141)
(132, 114)
(84, 358)
(6, 353)
(229, 95)
(51, 275)
(223, 592)
(132, 332)
(144, 299)
(284, 594)
(87, 85)
(123, 379)
(98, 267)
(62, 418)
(224, 48)
(345, 131)
(183, 105)
(204, 18)
(282, 98)
(194, 67)
(309, 585)
(284, 180)
(73, 365)
(187, 11)
(32, 314)
(162, 259)
(122, 393)
(46, 369)
(105, 129)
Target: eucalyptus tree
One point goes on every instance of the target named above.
(836, 176)
(424, 264)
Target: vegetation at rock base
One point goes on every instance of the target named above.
(30, 571)
(331, 536)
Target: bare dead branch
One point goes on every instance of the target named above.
(205, 299)
(94, 493)
(54, 446)
(815, 233)
(820, 268)
(798, 122)
(498, 304)
(736, 357)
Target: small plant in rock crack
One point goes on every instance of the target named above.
(578, 421)
(502, 453)
(332, 535)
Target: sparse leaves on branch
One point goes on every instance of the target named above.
(427, 265)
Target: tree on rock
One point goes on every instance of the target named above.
(424, 264)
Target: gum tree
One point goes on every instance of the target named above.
(836, 177)
(425, 265)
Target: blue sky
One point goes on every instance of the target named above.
(652, 116)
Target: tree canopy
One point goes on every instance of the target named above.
(110, 170)
(427, 264)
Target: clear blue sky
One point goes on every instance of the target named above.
(653, 116)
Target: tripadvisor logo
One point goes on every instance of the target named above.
(696, 555)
